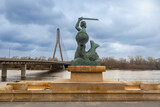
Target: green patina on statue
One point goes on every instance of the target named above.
(81, 56)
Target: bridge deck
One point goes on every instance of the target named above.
(26, 61)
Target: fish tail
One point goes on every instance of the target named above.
(93, 45)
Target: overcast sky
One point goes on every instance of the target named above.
(125, 27)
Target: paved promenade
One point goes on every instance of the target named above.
(80, 104)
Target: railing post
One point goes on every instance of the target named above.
(4, 70)
(23, 70)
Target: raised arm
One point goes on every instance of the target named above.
(77, 24)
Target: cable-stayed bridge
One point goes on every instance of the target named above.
(54, 64)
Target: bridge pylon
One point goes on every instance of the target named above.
(59, 44)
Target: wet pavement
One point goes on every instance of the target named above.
(80, 104)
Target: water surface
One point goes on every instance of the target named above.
(120, 75)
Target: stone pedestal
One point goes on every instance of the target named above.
(85, 78)
(86, 73)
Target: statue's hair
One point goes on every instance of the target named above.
(83, 23)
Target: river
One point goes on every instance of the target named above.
(120, 75)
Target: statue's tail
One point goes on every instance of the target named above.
(93, 46)
(91, 54)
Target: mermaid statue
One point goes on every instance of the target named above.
(81, 56)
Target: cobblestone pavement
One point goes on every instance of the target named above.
(80, 104)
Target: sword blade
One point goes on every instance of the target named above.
(90, 19)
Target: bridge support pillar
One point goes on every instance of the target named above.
(4, 70)
(23, 70)
(63, 67)
(55, 67)
(52, 67)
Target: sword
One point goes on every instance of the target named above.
(90, 19)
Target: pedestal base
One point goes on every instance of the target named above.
(68, 85)
(87, 77)
(86, 73)
(40, 91)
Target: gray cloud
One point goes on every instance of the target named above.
(125, 28)
(29, 11)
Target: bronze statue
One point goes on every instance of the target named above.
(81, 56)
